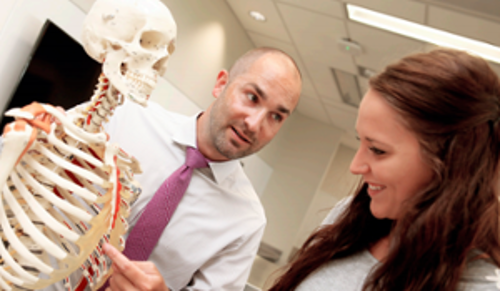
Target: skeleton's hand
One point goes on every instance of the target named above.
(133, 275)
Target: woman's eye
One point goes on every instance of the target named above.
(252, 97)
(377, 151)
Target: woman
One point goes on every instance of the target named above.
(426, 216)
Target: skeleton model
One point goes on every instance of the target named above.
(65, 189)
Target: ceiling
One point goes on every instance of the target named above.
(308, 30)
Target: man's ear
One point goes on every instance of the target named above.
(220, 83)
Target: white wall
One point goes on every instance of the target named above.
(210, 38)
(299, 155)
(308, 182)
(7, 7)
(337, 183)
(171, 98)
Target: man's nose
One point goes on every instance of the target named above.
(255, 120)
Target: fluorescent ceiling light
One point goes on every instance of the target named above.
(423, 33)
(257, 16)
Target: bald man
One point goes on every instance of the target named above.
(212, 238)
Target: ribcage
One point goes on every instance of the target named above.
(64, 193)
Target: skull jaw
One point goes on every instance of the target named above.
(135, 90)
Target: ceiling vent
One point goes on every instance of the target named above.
(348, 86)
(489, 8)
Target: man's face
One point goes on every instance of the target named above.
(251, 109)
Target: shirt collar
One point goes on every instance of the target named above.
(185, 135)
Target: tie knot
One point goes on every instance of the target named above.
(194, 159)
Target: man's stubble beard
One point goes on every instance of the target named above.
(218, 129)
(224, 145)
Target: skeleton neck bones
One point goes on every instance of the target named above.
(102, 104)
(66, 190)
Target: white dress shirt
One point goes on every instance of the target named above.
(213, 236)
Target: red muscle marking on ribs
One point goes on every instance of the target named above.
(76, 162)
(56, 191)
(117, 195)
(65, 223)
(84, 226)
(73, 178)
(94, 154)
(82, 285)
(89, 117)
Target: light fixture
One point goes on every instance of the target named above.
(257, 15)
(348, 87)
(423, 33)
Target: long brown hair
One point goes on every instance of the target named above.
(451, 101)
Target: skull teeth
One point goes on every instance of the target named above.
(141, 82)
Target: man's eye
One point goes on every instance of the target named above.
(277, 117)
(252, 97)
(377, 151)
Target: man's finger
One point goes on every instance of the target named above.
(122, 263)
(119, 282)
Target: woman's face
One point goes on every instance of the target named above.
(389, 157)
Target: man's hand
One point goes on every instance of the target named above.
(133, 275)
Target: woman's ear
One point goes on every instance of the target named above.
(220, 83)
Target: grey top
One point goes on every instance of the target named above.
(349, 274)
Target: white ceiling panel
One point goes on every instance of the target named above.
(261, 40)
(313, 109)
(308, 87)
(309, 31)
(315, 36)
(380, 47)
(409, 10)
(329, 7)
(341, 105)
(323, 80)
(342, 117)
(273, 26)
(464, 25)
(481, 8)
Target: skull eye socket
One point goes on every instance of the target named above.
(153, 41)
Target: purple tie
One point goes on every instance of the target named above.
(145, 235)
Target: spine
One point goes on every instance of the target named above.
(101, 107)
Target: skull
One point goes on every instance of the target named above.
(133, 39)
